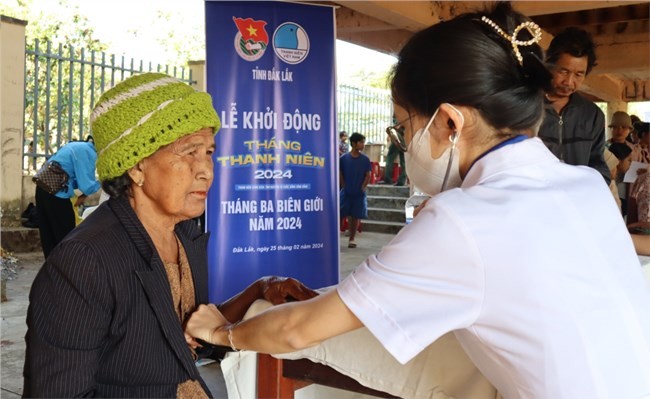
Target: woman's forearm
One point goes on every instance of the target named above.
(235, 308)
(290, 327)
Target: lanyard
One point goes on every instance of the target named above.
(512, 140)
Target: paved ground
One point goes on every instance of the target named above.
(12, 344)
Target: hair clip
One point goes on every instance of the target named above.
(530, 26)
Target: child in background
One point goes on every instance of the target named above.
(354, 169)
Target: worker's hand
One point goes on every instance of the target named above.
(202, 324)
(279, 290)
(420, 207)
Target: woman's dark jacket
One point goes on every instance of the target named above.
(101, 320)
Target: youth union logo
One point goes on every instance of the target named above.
(291, 43)
(252, 40)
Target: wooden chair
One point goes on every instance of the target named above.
(279, 378)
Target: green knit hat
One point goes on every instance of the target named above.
(139, 115)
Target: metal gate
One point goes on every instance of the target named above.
(61, 87)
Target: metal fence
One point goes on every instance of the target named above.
(364, 110)
(62, 85)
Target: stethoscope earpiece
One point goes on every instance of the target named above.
(453, 137)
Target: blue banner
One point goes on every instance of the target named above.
(273, 206)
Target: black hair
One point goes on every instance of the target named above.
(342, 133)
(620, 150)
(464, 61)
(641, 128)
(575, 42)
(119, 186)
(356, 137)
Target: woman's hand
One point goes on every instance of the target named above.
(279, 290)
(203, 323)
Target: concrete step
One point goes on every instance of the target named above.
(386, 215)
(387, 202)
(384, 190)
(378, 226)
(20, 239)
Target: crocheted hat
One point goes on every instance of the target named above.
(139, 115)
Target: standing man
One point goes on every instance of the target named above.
(354, 169)
(573, 127)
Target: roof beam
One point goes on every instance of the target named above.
(622, 58)
(532, 8)
(388, 42)
(412, 15)
(350, 21)
(599, 16)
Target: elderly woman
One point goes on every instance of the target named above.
(107, 309)
(524, 258)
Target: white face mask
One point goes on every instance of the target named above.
(432, 175)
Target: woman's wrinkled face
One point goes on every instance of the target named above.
(177, 177)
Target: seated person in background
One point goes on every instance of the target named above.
(641, 152)
(513, 252)
(639, 202)
(107, 309)
(623, 154)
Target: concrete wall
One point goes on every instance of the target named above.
(198, 74)
(12, 80)
(28, 192)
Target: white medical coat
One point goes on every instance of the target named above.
(530, 264)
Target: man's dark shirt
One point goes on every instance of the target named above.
(576, 135)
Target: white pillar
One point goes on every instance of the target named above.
(198, 74)
(12, 97)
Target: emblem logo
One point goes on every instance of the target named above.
(291, 43)
(252, 40)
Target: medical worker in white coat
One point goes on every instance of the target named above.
(524, 258)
